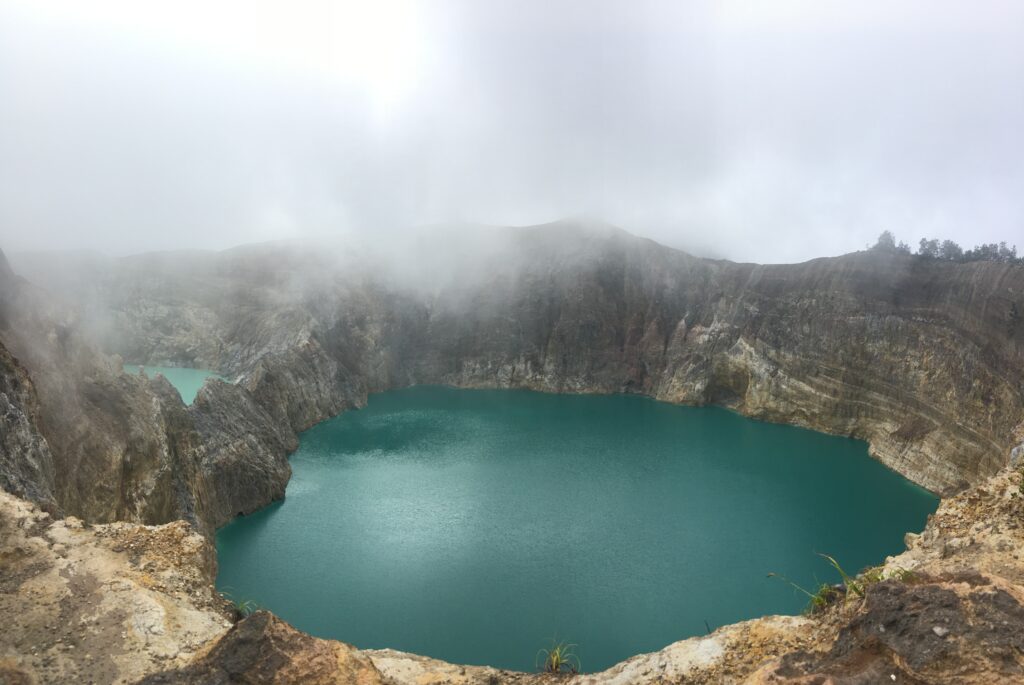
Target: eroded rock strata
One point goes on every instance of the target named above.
(923, 359)
(86, 439)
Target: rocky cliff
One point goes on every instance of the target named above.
(923, 359)
(26, 464)
(101, 604)
(83, 438)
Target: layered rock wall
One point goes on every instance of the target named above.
(83, 438)
(923, 359)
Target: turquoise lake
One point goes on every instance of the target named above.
(186, 381)
(476, 525)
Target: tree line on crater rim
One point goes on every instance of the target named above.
(950, 251)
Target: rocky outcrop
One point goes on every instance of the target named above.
(957, 619)
(101, 604)
(725, 656)
(111, 457)
(947, 629)
(264, 649)
(83, 438)
(243, 461)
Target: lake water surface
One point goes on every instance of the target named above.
(186, 381)
(476, 525)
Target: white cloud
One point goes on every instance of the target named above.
(758, 131)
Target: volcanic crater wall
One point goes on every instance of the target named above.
(921, 358)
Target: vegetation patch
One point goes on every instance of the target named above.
(950, 251)
(849, 588)
(560, 658)
(240, 607)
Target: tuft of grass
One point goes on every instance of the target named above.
(823, 597)
(851, 586)
(246, 607)
(241, 607)
(870, 576)
(560, 658)
(850, 583)
(819, 599)
(903, 575)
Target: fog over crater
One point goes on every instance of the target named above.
(732, 129)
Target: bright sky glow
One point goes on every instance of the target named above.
(769, 131)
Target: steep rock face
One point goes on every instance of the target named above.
(923, 359)
(914, 356)
(244, 459)
(919, 358)
(83, 438)
(118, 442)
(26, 465)
(302, 385)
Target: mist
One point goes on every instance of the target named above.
(751, 131)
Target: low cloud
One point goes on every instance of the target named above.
(753, 131)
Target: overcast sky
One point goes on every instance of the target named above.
(762, 131)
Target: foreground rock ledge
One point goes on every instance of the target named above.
(127, 603)
(100, 604)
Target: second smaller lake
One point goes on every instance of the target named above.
(186, 381)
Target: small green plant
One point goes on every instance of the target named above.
(246, 607)
(819, 599)
(851, 586)
(872, 575)
(559, 658)
(241, 607)
(903, 575)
